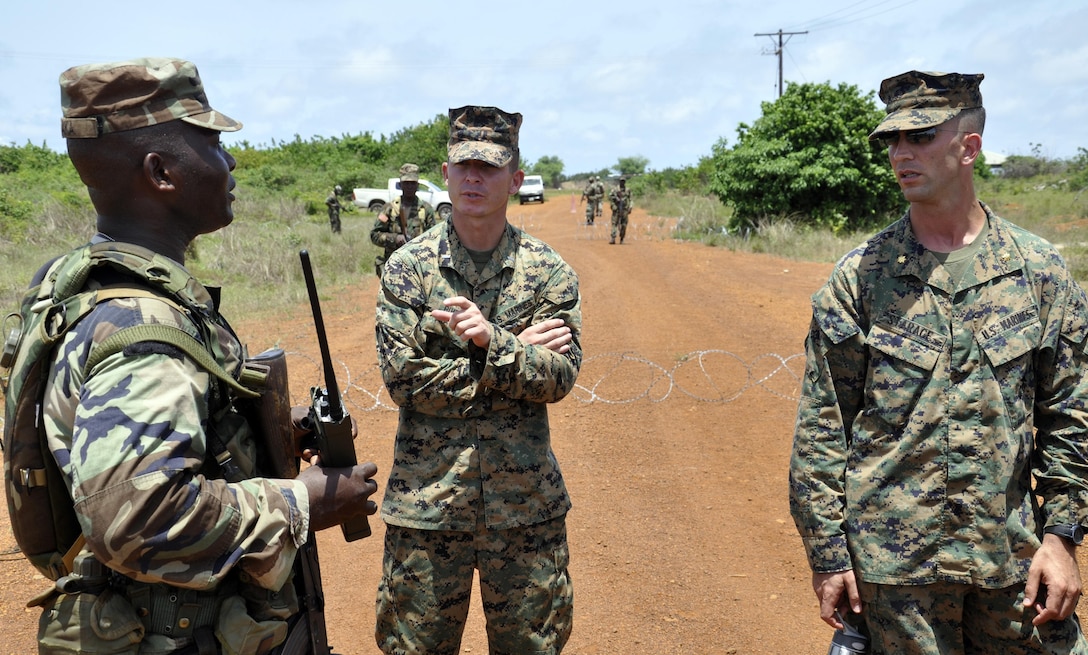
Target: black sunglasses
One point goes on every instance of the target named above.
(915, 137)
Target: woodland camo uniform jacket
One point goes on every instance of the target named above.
(419, 217)
(130, 439)
(928, 405)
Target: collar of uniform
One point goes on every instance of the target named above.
(157, 269)
(906, 255)
(453, 254)
(998, 255)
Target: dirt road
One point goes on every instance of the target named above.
(674, 448)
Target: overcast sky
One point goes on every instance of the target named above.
(596, 81)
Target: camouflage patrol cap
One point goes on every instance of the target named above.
(486, 134)
(917, 100)
(409, 173)
(102, 98)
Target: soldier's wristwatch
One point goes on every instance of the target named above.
(1072, 532)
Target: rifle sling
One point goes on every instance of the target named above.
(168, 334)
(403, 220)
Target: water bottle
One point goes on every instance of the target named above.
(848, 641)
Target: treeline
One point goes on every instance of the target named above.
(806, 159)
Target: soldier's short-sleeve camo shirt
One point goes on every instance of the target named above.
(130, 438)
(473, 432)
(929, 406)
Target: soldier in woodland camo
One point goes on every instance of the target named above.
(403, 218)
(620, 202)
(176, 557)
(593, 194)
(332, 202)
(477, 331)
(938, 476)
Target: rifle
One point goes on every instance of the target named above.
(327, 417)
(403, 221)
(272, 411)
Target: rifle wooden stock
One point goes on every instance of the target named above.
(271, 414)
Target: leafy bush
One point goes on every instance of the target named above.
(15, 214)
(29, 157)
(1078, 170)
(808, 158)
(423, 145)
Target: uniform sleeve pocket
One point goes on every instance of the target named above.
(835, 322)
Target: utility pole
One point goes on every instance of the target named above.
(778, 51)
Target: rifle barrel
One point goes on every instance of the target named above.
(336, 407)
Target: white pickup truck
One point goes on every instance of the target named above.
(374, 199)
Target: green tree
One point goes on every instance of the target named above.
(982, 169)
(29, 157)
(1078, 169)
(692, 180)
(628, 166)
(808, 157)
(550, 168)
(423, 145)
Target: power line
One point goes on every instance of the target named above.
(778, 50)
(834, 19)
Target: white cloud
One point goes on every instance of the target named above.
(595, 81)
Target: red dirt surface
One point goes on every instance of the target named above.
(674, 447)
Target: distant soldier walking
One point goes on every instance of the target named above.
(333, 203)
(620, 201)
(593, 195)
(598, 190)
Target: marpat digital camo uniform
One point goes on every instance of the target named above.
(922, 395)
(475, 490)
(465, 448)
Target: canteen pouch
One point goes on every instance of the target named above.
(89, 624)
(239, 634)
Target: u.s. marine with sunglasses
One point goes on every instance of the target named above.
(938, 473)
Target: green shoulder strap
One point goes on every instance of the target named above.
(160, 332)
(169, 334)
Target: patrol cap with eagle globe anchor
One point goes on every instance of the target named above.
(100, 99)
(917, 100)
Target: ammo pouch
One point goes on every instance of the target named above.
(86, 615)
(99, 612)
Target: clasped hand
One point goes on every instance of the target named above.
(467, 321)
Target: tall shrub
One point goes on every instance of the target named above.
(808, 157)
